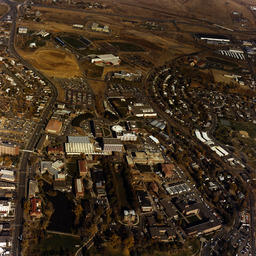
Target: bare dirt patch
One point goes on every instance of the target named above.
(3, 9)
(53, 62)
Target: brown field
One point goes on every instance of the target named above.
(216, 11)
(220, 78)
(53, 62)
(3, 9)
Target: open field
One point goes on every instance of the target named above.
(3, 9)
(91, 70)
(57, 244)
(192, 9)
(53, 62)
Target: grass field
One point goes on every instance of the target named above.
(53, 62)
(58, 245)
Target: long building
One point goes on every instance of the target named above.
(79, 188)
(9, 149)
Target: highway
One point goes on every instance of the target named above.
(23, 173)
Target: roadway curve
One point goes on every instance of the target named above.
(23, 174)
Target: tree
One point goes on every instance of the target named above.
(128, 242)
(115, 241)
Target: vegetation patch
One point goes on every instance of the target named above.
(91, 70)
(58, 245)
(77, 120)
(63, 217)
(238, 126)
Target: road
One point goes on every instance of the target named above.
(23, 173)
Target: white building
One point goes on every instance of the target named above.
(78, 26)
(107, 59)
(78, 145)
(22, 30)
(5, 208)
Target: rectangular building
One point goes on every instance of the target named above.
(54, 126)
(79, 188)
(9, 149)
(112, 145)
(83, 168)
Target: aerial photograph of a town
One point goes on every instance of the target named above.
(128, 127)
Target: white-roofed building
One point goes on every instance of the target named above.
(81, 145)
(5, 207)
(108, 59)
(77, 148)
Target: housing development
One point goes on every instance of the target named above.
(127, 127)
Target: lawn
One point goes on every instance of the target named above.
(240, 126)
(77, 120)
(58, 245)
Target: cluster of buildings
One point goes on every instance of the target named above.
(120, 132)
(77, 94)
(142, 110)
(7, 210)
(203, 137)
(100, 28)
(5, 238)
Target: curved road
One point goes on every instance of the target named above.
(23, 175)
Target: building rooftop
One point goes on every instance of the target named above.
(54, 126)
(79, 139)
